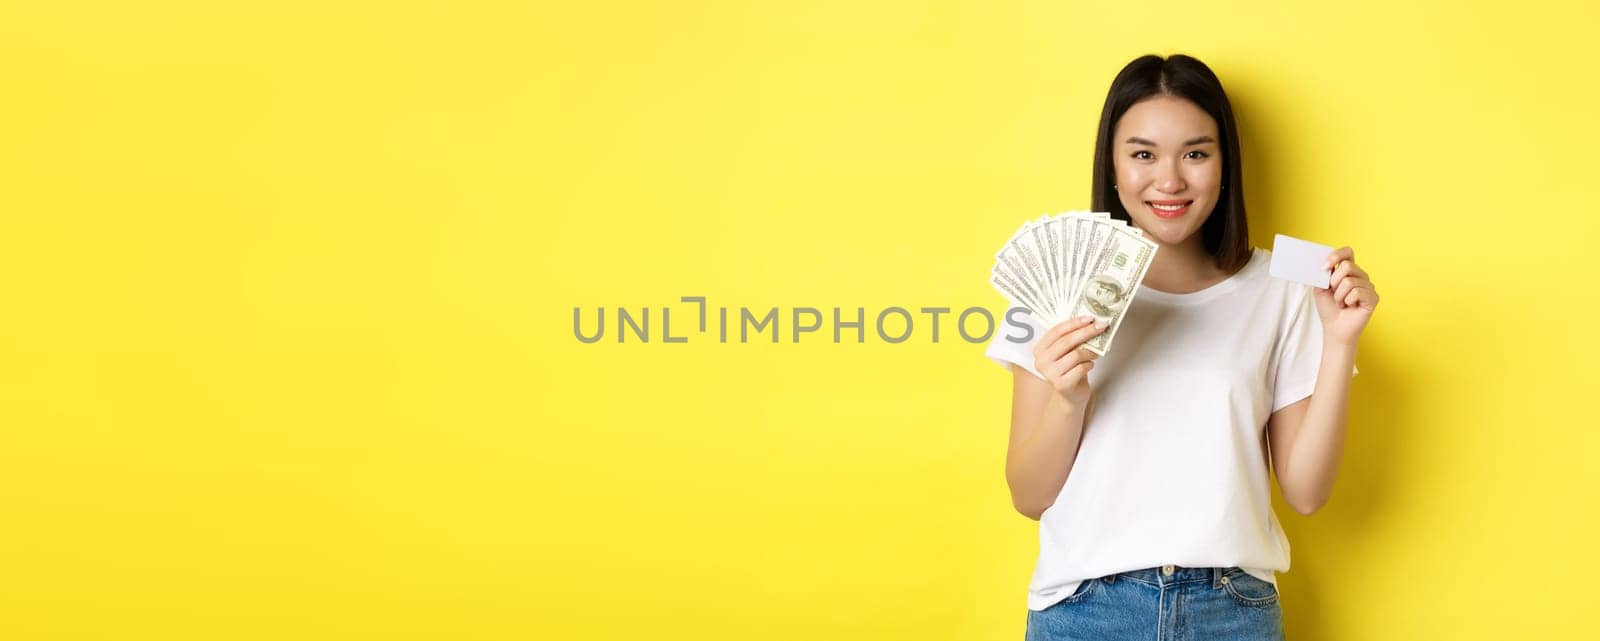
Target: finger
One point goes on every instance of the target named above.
(1078, 372)
(1052, 352)
(1356, 270)
(1063, 344)
(1342, 253)
(1080, 355)
(1343, 288)
(1050, 336)
(1056, 371)
(1055, 330)
(1357, 282)
(1076, 338)
(1364, 297)
(1072, 358)
(1339, 273)
(1051, 371)
(1353, 298)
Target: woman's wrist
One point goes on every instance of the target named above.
(1069, 406)
(1337, 351)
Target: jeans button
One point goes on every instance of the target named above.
(1167, 570)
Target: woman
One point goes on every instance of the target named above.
(1147, 468)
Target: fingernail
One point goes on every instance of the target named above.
(1085, 319)
(1101, 324)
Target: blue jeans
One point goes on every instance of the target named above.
(1151, 605)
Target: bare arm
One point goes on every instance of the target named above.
(1045, 432)
(1047, 416)
(1307, 437)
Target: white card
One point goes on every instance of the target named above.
(1300, 261)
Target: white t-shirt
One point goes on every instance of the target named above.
(1172, 468)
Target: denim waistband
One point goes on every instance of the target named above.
(1159, 576)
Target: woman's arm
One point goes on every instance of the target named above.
(1307, 437)
(1047, 415)
(1045, 432)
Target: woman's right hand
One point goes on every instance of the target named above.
(1060, 357)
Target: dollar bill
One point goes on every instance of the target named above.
(1073, 264)
(1116, 267)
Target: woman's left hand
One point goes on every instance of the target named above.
(1347, 304)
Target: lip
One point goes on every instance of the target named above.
(1161, 213)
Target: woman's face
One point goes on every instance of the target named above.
(1169, 167)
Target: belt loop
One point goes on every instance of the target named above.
(1216, 577)
(1111, 578)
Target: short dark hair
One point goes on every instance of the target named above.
(1226, 236)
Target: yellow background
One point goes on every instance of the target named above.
(287, 352)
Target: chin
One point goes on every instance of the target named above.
(1163, 231)
(1171, 239)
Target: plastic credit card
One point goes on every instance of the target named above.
(1301, 261)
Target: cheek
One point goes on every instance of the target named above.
(1207, 178)
(1131, 175)
(1133, 181)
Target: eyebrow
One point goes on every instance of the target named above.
(1192, 141)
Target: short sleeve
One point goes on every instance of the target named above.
(1299, 352)
(1013, 342)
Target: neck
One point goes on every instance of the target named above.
(1183, 268)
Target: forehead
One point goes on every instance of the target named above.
(1165, 120)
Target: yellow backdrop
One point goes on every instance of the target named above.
(287, 349)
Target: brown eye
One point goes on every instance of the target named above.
(1146, 155)
(1198, 154)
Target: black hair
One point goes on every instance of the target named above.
(1225, 234)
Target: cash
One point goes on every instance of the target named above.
(1077, 263)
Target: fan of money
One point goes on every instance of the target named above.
(1078, 263)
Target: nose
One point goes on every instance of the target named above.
(1168, 178)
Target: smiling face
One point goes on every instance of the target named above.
(1169, 167)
